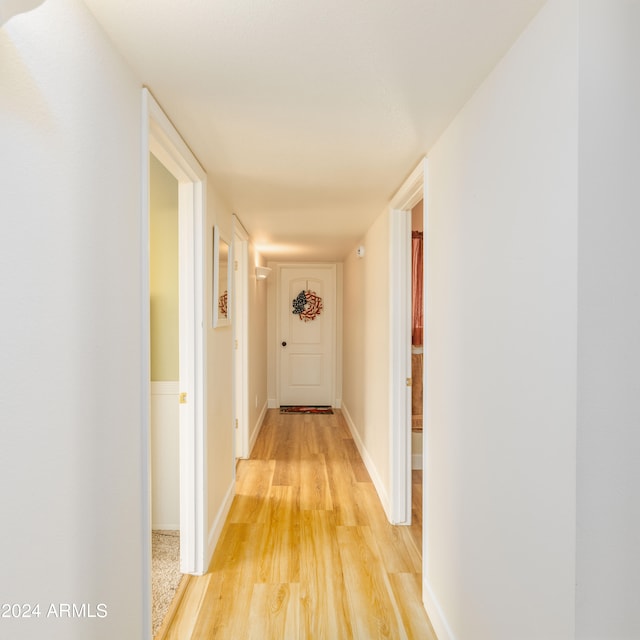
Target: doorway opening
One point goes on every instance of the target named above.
(165, 389)
(417, 329)
(405, 201)
(162, 141)
(417, 366)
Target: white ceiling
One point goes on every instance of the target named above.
(309, 114)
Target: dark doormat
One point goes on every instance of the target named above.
(305, 409)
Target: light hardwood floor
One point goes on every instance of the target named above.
(306, 551)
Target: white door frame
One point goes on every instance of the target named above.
(409, 194)
(241, 337)
(161, 138)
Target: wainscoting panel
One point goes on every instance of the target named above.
(165, 463)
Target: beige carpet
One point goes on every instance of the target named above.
(165, 573)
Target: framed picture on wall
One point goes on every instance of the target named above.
(221, 279)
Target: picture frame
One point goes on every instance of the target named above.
(221, 279)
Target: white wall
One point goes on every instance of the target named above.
(365, 391)
(163, 272)
(70, 373)
(353, 358)
(220, 453)
(257, 346)
(608, 553)
(501, 348)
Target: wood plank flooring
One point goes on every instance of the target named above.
(306, 551)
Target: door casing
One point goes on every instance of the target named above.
(161, 138)
(240, 322)
(409, 194)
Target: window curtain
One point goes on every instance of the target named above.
(417, 288)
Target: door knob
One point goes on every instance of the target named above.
(284, 344)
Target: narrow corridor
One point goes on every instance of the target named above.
(307, 551)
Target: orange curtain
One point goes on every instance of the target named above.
(417, 302)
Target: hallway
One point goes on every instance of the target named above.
(306, 551)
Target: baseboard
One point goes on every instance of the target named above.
(165, 527)
(218, 523)
(436, 616)
(161, 633)
(257, 427)
(272, 403)
(368, 462)
(416, 461)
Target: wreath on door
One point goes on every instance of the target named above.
(308, 305)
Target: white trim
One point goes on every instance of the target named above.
(412, 190)
(425, 392)
(255, 432)
(339, 334)
(187, 446)
(240, 321)
(161, 139)
(368, 461)
(145, 369)
(407, 197)
(272, 403)
(400, 359)
(436, 616)
(218, 523)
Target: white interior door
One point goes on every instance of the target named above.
(307, 334)
(241, 339)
